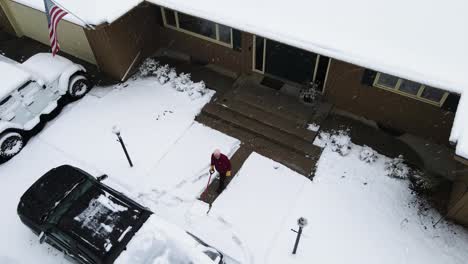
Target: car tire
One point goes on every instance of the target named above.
(11, 143)
(78, 86)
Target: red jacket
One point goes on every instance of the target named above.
(222, 164)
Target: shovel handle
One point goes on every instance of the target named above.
(207, 185)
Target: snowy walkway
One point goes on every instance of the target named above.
(356, 214)
(170, 152)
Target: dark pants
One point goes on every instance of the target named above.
(222, 180)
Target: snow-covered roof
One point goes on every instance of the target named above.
(420, 40)
(93, 12)
(12, 78)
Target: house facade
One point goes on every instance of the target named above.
(395, 104)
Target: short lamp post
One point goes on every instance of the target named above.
(301, 222)
(116, 131)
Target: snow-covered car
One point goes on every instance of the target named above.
(93, 223)
(32, 90)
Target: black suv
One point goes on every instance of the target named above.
(77, 214)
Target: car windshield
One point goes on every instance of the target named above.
(64, 204)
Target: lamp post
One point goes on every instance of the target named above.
(116, 131)
(301, 222)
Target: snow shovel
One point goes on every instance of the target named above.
(206, 189)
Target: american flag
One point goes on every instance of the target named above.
(54, 14)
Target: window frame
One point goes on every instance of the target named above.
(418, 96)
(178, 28)
(254, 53)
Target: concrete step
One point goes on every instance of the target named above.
(286, 140)
(271, 101)
(274, 120)
(301, 163)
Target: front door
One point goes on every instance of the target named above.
(289, 63)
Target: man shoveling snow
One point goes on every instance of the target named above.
(223, 165)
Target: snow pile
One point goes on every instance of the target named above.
(368, 155)
(352, 208)
(338, 140)
(313, 127)
(160, 242)
(164, 74)
(396, 168)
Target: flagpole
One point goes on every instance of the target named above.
(68, 11)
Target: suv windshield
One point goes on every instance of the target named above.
(64, 204)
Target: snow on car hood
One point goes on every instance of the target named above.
(12, 77)
(159, 242)
(46, 67)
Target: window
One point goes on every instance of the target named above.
(411, 89)
(198, 27)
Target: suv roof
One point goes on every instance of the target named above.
(92, 215)
(12, 78)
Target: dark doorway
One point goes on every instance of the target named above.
(290, 63)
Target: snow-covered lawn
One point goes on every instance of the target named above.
(170, 152)
(356, 214)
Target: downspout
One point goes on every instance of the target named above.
(131, 66)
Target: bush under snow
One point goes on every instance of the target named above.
(165, 74)
(368, 155)
(396, 168)
(148, 67)
(338, 141)
(183, 83)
